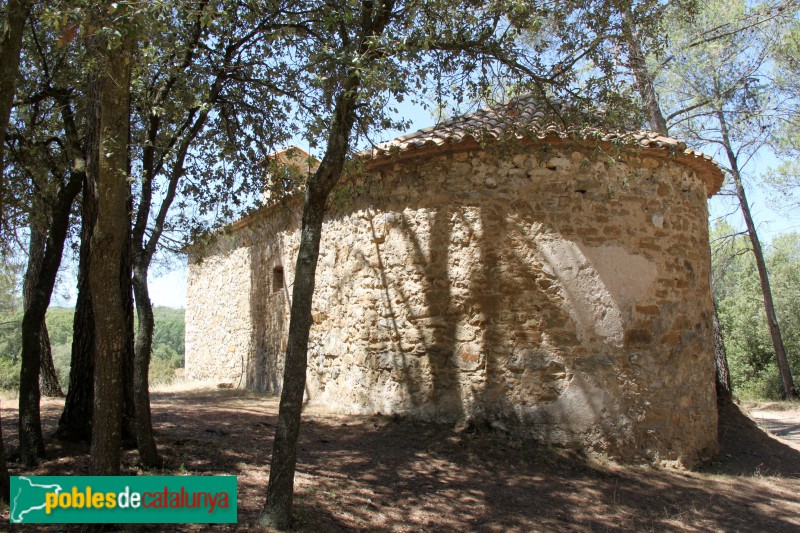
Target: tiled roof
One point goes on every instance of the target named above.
(525, 119)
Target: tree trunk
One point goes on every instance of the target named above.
(128, 396)
(5, 488)
(284, 452)
(148, 453)
(48, 381)
(75, 423)
(724, 390)
(10, 47)
(142, 256)
(278, 508)
(48, 378)
(107, 268)
(638, 65)
(30, 427)
(766, 290)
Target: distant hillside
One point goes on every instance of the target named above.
(168, 344)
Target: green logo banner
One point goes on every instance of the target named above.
(123, 499)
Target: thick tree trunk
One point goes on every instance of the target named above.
(148, 453)
(48, 380)
(284, 452)
(107, 268)
(10, 47)
(75, 423)
(761, 266)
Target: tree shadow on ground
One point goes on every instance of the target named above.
(391, 474)
(780, 429)
(747, 450)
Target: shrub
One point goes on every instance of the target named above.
(163, 364)
(9, 374)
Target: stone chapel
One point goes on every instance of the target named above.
(494, 267)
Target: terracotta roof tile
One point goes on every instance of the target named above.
(524, 118)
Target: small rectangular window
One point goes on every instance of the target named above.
(277, 279)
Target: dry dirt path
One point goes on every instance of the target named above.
(784, 424)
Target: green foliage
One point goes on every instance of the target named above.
(163, 364)
(785, 178)
(169, 331)
(751, 358)
(10, 282)
(59, 325)
(10, 336)
(168, 345)
(9, 374)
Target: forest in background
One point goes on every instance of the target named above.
(751, 357)
(168, 350)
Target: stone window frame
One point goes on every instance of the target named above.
(277, 279)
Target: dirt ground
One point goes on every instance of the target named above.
(780, 419)
(390, 474)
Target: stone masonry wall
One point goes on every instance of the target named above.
(555, 290)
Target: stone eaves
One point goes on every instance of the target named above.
(526, 121)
